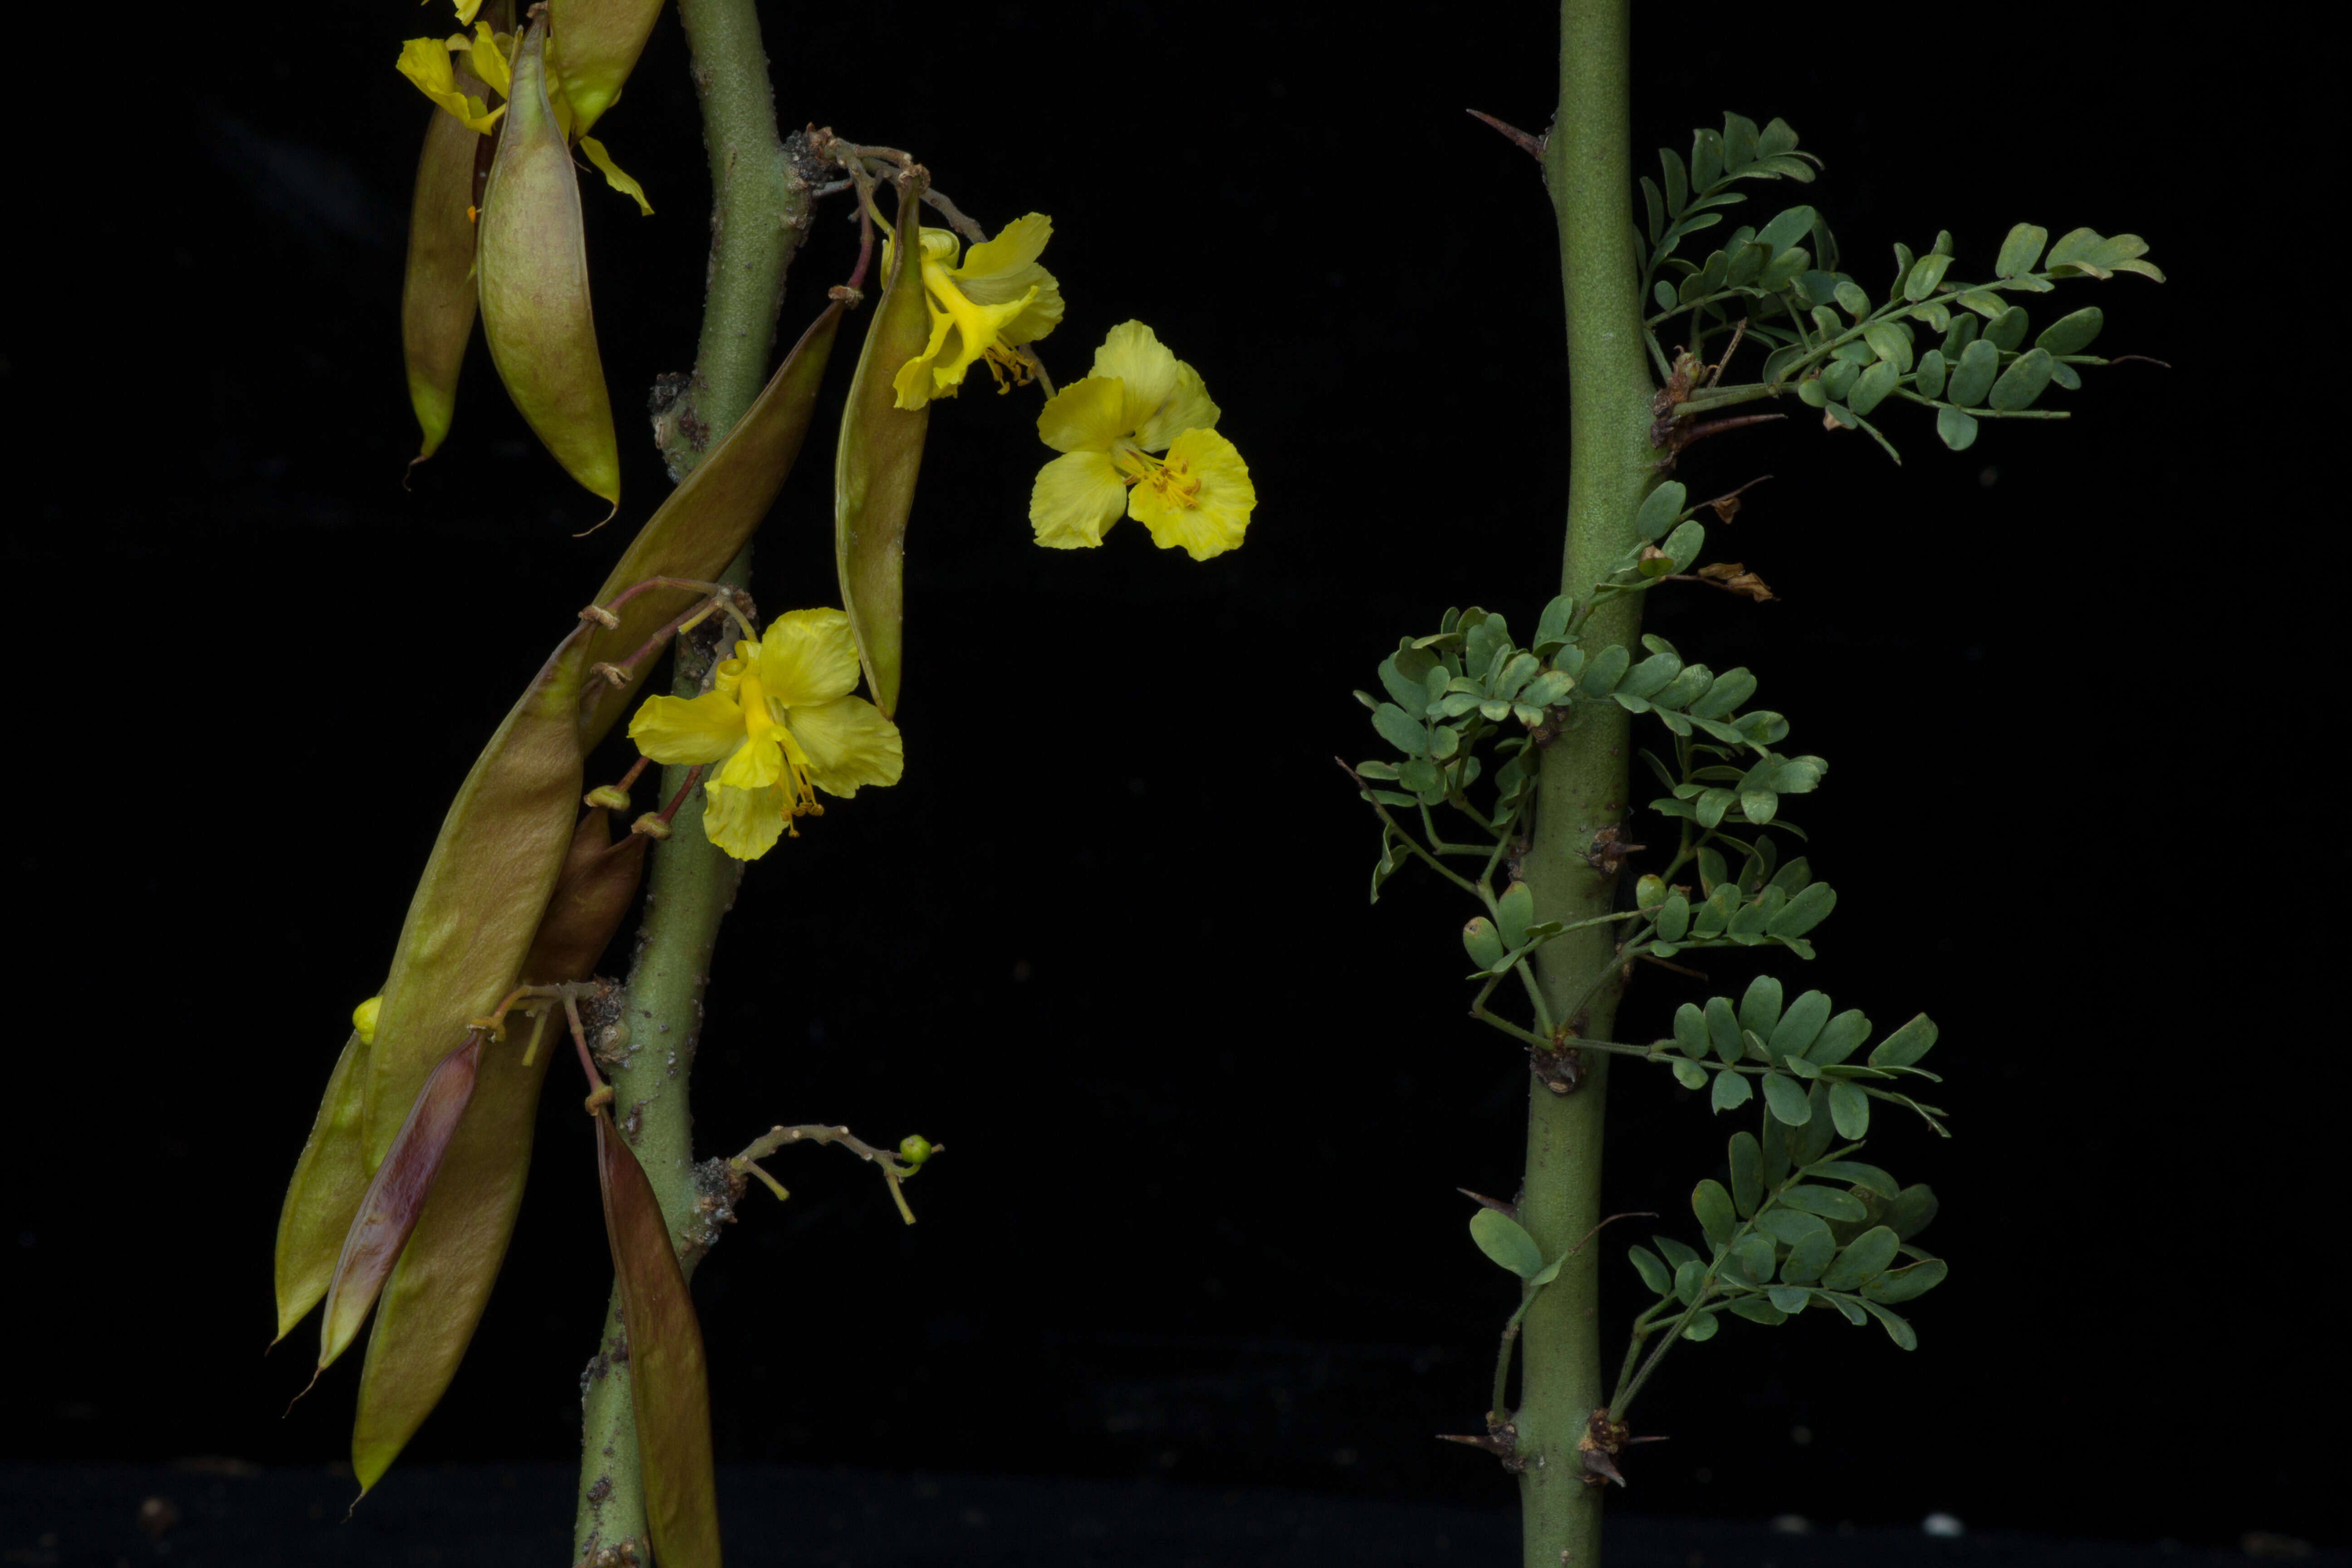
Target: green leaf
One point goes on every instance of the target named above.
(1775, 1139)
(1608, 668)
(1786, 1099)
(1911, 1209)
(1896, 1328)
(1840, 1038)
(1731, 688)
(1788, 229)
(1505, 1240)
(1652, 1269)
(1907, 1044)
(1747, 1171)
(1863, 1260)
(1870, 387)
(1754, 1258)
(2087, 250)
(1789, 1299)
(1799, 1024)
(1677, 181)
(1480, 941)
(1846, 1304)
(1690, 1031)
(1688, 1280)
(2021, 250)
(1675, 1253)
(1712, 1205)
(1930, 382)
(1810, 1141)
(1759, 1310)
(2023, 381)
(1924, 275)
(1850, 1109)
(1809, 1254)
(1889, 343)
(1690, 1075)
(2072, 334)
(1682, 545)
(1515, 910)
(1760, 1007)
(1899, 1285)
(1855, 1171)
(1731, 1091)
(1972, 377)
(1401, 730)
(1850, 298)
(1828, 1202)
(2006, 330)
(1661, 509)
(1674, 917)
(1957, 430)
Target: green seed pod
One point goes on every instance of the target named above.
(914, 1148)
(597, 45)
(329, 1180)
(669, 1381)
(1650, 892)
(880, 455)
(478, 906)
(430, 1307)
(437, 294)
(532, 268)
(707, 519)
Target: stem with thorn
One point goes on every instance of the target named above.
(759, 215)
(1587, 167)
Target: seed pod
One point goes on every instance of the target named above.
(395, 1197)
(328, 1181)
(436, 295)
(478, 906)
(708, 518)
(430, 1307)
(597, 45)
(533, 266)
(880, 455)
(669, 1381)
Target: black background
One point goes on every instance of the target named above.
(1205, 1110)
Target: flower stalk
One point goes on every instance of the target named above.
(759, 215)
(1587, 167)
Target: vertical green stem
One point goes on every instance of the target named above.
(1588, 164)
(758, 214)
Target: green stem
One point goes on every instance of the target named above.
(759, 215)
(1588, 164)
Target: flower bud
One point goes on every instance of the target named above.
(914, 1148)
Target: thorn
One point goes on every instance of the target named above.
(1597, 1462)
(1497, 1204)
(1717, 426)
(1533, 145)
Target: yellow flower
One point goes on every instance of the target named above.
(363, 1018)
(998, 299)
(1140, 399)
(425, 62)
(781, 724)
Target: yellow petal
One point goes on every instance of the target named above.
(755, 764)
(978, 326)
(1003, 268)
(1200, 501)
(465, 9)
(612, 175)
(425, 62)
(1085, 416)
(687, 729)
(849, 743)
(1133, 353)
(1187, 408)
(1077, 498)
(745, 823)
(808, 656)
(489, 59)
(913, 382)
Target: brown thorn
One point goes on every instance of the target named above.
(1534, 145)
(1717, 426)
(1677, 968)
(2119, 358)
(1497, 1204)
(1612, 1219)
